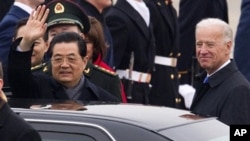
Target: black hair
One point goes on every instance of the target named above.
(68, 37)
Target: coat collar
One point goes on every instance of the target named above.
(127, 9)
(222, 74)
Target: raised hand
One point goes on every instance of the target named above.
(35, 27)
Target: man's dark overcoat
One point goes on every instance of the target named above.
(226, 96)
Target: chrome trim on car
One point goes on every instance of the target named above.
(74, 123)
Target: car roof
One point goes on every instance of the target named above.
(151, 117)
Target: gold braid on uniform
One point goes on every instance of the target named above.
(38, 66)
(105, 70)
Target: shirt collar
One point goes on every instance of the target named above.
(222, 66)
(25, 7)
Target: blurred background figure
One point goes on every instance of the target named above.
(13, 127)
(96, 49)
(242, 40)
(190, 13)
(96, 8)
(39, 49)
(19, 10)
(96, 45)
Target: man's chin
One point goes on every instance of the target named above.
(204, 66)
(64, 82)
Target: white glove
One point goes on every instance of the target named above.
(187, 91)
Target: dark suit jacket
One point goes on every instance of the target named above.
(190, 13)
(227, 96)
(24, 84)
(165, 79)
(7, 29)
(13, 127)
(242, 48)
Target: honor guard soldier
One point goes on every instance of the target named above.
(165, 81)
(134, 48)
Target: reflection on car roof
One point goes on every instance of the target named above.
(151, 117)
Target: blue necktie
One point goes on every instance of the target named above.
(205, 80)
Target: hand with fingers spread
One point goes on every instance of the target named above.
(35, 27)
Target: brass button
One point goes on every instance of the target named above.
(172, 76)
(158, 3)
(179, 54)
(179, 76)
(171, 54)
(177, 100)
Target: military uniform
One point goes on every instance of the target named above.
(165, 79)
(133, 40)
(104, 78)
(40, 68)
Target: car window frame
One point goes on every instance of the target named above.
(36, 123)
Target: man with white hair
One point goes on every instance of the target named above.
(222, 90)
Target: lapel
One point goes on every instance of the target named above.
(58, 91)
(200, 93)
(127, 9)
(167, 12)
(89, 91)
(214, 80)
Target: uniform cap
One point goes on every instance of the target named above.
(67, 12)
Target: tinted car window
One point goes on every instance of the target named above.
(51, 130)
(63, 136)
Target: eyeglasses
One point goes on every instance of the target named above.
(69, 59)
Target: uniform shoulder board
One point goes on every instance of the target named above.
(104, 70)
(45, 69)
(37, 67)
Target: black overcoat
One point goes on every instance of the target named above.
(226, 96)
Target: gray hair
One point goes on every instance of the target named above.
(228, 32)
